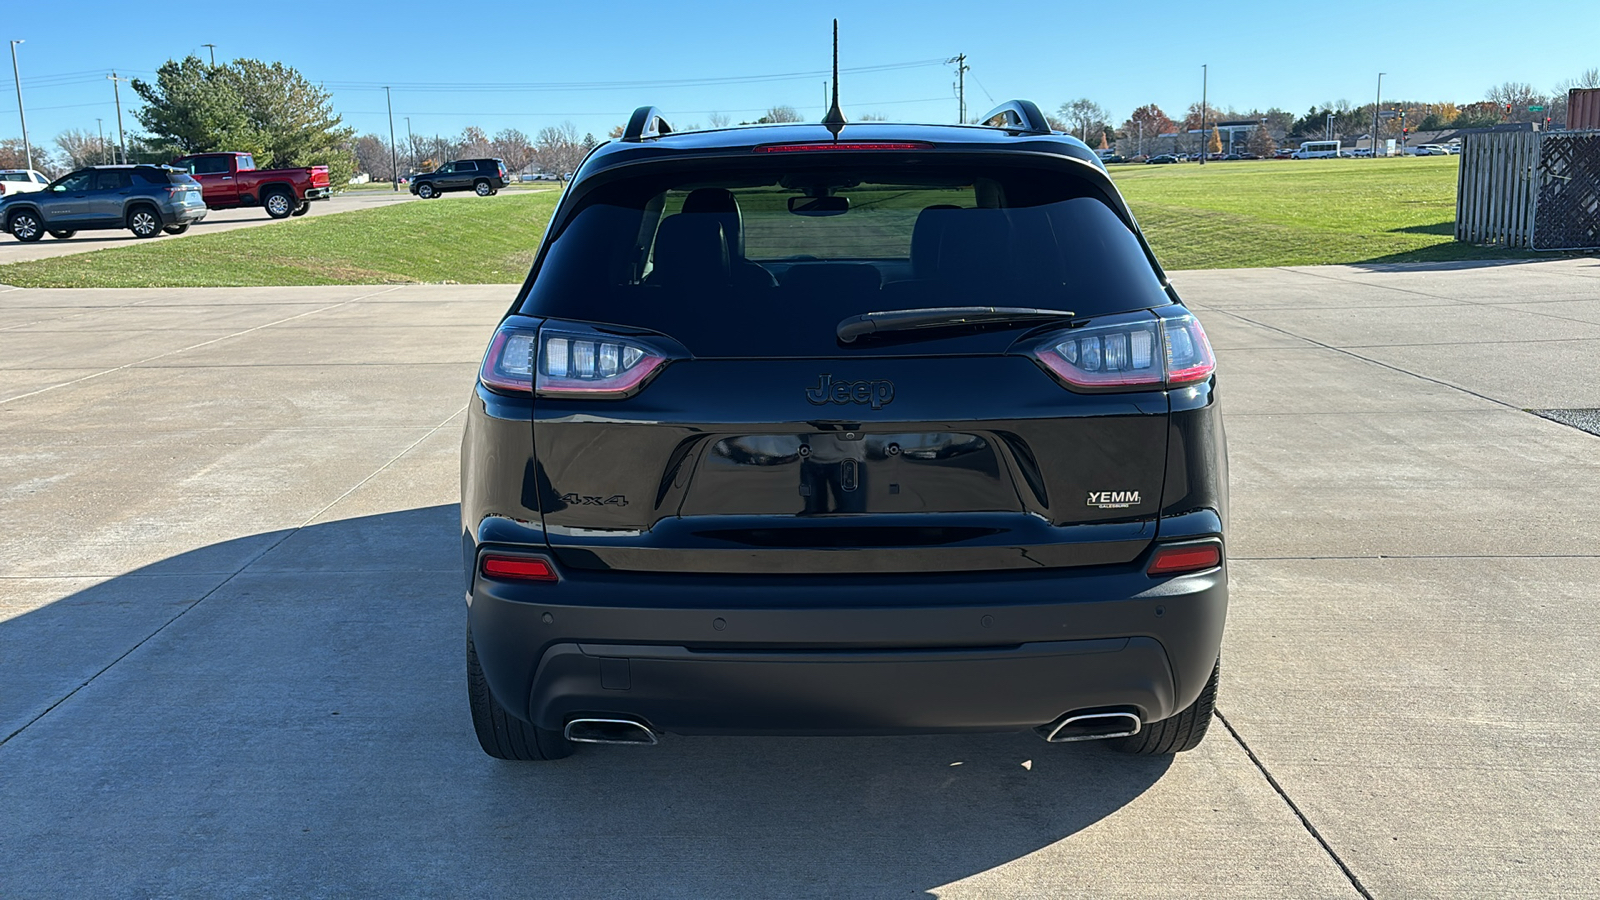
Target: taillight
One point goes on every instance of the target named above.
(508, 366)
(1140, 350)
(517, 568)
(581, 362)
(1176, 559)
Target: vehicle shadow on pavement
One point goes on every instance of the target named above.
(303, 731)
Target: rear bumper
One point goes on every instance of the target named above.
(319, 193)
(863, 655)
(184, 215)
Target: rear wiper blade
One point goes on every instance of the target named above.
(852, 329)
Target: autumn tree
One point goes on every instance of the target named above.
(373, 157)
(1085, 117)
(1261, 142)
(1215, 144)
(514, 148)
(83, 148)
(559, 148)
(1145, 123)
(1519, 96)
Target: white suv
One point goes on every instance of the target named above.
(21, 181)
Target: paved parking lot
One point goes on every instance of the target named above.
(231, 628)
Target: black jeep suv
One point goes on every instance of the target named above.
(483, 176)
(897, 429)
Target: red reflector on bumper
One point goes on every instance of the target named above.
(1172, 560)
(517, 568)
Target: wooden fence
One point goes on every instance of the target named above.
(1496, 192)
(1530, 190)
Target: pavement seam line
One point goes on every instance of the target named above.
(289, 533)
(1311, 829)
(1376, 362)
(195, 346)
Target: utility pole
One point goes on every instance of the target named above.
(394, 159)
(122, 136)
(213, 49)
(1377, 103)
(27, 148)
(960, 60)
(1205, 139)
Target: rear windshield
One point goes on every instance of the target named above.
(153, 175)
(789, 254)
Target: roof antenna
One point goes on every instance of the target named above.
(834, 119)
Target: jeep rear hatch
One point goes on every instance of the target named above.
(699, 409)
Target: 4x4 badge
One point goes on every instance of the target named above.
(876, 393)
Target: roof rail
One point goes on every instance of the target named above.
(1018, 115)
(646, 122)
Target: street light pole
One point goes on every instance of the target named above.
(100, 124)
(1376, 103)
(394, 158)
(213, 49)
(1205, 75)
(411, 145)
(27, 148)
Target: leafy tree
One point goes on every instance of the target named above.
(1145, 124)
(196, 108)
(267, 109)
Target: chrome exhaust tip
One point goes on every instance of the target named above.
(1090, 727)
(610, 731)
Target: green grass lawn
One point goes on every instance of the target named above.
(1222, 215)
(1299, 212)
(470, 240)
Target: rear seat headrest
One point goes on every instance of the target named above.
(690, 248)
(721, 203)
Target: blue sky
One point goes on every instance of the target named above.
(1287, 54)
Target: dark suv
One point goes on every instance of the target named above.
(483, 176)
(146, 200)
(896, 430)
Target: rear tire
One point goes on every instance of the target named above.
(25, 226)
(61, 235)
(483, 187)
(500, 734)
(176, 229)
(302, 209)
(1178, 733)
(279, 204)
(144, 222)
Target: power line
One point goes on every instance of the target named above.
(539, 86)
(677, 112)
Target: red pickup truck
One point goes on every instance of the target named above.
(230, 180)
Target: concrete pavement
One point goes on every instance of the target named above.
(230, 628)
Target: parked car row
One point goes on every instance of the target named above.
(150, 200)
(145, 199)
